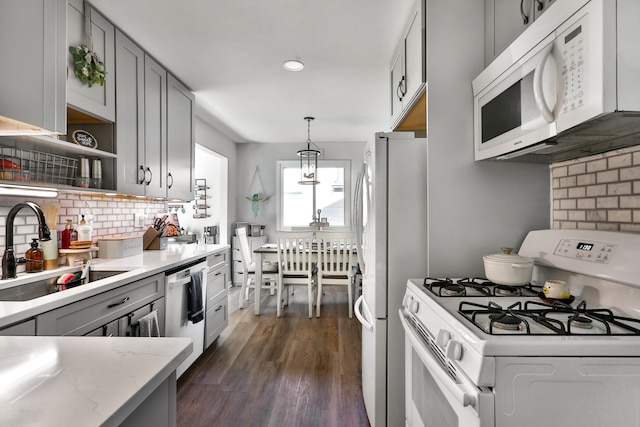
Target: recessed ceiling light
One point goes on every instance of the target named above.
(292, 65)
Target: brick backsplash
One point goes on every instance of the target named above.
(111, 216)
(600, 192)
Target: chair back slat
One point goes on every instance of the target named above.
(295, 253)
(336, 251)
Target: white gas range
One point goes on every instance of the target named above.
(480, 354)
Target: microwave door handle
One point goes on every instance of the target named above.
(538, 93)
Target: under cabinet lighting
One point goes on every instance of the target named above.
(19, 190)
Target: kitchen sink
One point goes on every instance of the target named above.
(40, 288)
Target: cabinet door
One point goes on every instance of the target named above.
(96, 100)
(415, 66)
(504, 22)
(33, 43)
(155, 134)
(398, 86)
(217, 319)
(129, 116)
(541, 6)
(180, 140)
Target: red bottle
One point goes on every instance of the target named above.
(68, 235)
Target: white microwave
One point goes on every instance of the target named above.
(567, 87)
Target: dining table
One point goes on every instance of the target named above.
(266, 252)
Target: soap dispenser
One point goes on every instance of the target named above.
(35, 258)
(84, 230)
(69, 234)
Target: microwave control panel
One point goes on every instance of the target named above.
(597, 252)
(572, 52)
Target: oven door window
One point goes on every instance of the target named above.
(429, 402)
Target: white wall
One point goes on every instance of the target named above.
(214, 169)
(265, 157)
(474, 208)
(209, 137)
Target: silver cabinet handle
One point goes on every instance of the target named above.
(115, 304)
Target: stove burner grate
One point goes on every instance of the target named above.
(516, 318)
(475, 287)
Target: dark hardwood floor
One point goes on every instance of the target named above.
(288, 371)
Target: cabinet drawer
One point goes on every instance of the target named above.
(217, 319)
(86, 315)
(216, 284)
(26, 328)
(218, 259)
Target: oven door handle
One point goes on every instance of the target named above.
(434, 367)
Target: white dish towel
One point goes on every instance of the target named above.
(149, 325)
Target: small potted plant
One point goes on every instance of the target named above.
(88, 66)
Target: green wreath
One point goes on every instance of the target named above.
(88, 67)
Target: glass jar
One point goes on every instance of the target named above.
(35, 258)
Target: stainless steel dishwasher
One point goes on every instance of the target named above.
(177, 294)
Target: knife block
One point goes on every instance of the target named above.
(152, 240)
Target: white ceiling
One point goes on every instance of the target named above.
(230, 54)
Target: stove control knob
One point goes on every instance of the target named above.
(454, 350)
(406, 300)
(443, 338)
(413, 306)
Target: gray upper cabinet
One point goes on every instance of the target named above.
(180, 140)
(408, 68)
(33, 92)
(155, 128)
(98, 101)
(129, 116)
(505, 20)
(141, 135)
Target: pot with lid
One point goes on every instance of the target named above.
(507, 268)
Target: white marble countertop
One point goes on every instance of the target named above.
(89, 381)
(137, 267)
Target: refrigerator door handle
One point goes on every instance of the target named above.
(360, 304)
(360, 184)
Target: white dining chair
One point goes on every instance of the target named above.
(269, 270)
(296, 256)
(336, 266)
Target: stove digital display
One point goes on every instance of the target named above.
(585, 246)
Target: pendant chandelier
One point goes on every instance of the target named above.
(308, 160)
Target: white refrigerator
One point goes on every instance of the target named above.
(390, 217)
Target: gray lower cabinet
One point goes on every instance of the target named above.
(95, 315)
(24, 328)
(217, 307)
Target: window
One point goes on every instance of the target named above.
(332, 195)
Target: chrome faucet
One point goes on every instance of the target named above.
(9, 257)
